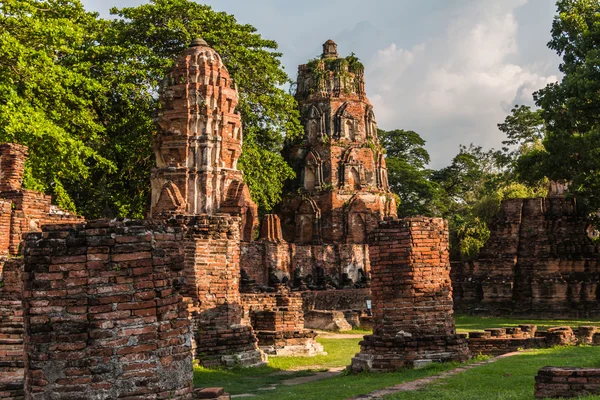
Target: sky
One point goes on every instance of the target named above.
(450, 70)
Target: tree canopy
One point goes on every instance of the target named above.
(80, 91)
(571, 107)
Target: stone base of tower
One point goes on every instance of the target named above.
(229, 347)
(384, 354)
(300, 343)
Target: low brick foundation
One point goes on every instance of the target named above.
(412, 298)
(567, 382)
(278, 321)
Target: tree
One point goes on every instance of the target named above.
(475, 183)
(571, 107)
(47, 92)
(406, 160)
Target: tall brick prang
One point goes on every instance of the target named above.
(199, 142)
(412, 297)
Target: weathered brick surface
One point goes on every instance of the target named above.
(340, 192)
(412, 297)
(538, 261)
(103, 312)
(563, 382)
(497, 341)
(11, 328)
(199, 142)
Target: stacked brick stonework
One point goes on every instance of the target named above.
(104, 316)
(562, 382)
(21, 211)
(538, 261)
(412, 298)
(199, 142)
(212, 254)
(278, 320)
(11, 328)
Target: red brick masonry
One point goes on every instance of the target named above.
(567, 382)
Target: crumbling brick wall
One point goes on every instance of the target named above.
(538, 261)
(212, 291)
(104, 314)
(22, 210)
(412, 297)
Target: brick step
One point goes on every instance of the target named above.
(10, 341)
(11, 364)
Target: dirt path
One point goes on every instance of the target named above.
(333, 335)
(420, 383)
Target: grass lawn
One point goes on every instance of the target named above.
(510, 378)
(467, 323)
(506, 379)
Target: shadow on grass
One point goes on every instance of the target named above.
(243, 380)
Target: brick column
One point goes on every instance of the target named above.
(12, 165)
(412, 297)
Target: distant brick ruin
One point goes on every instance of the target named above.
(538, 261)
(340, 192)
(412, 298)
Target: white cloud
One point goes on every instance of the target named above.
(456, 87)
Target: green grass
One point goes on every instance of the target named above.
(467, 323)
(345, 386)
(339, 354)
(242, 380)
(359, 331)
(506, 379)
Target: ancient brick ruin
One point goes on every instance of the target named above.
(412, 298)
(21, 211)
(538, 261)
(278, 320)
(340, 192)
(563, 382)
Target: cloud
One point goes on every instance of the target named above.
(456, 87)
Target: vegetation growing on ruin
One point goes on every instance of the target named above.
(348, 70)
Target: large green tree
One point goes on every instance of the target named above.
(571, 107)
(47, 92)
(80, 91)
(408, 175)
